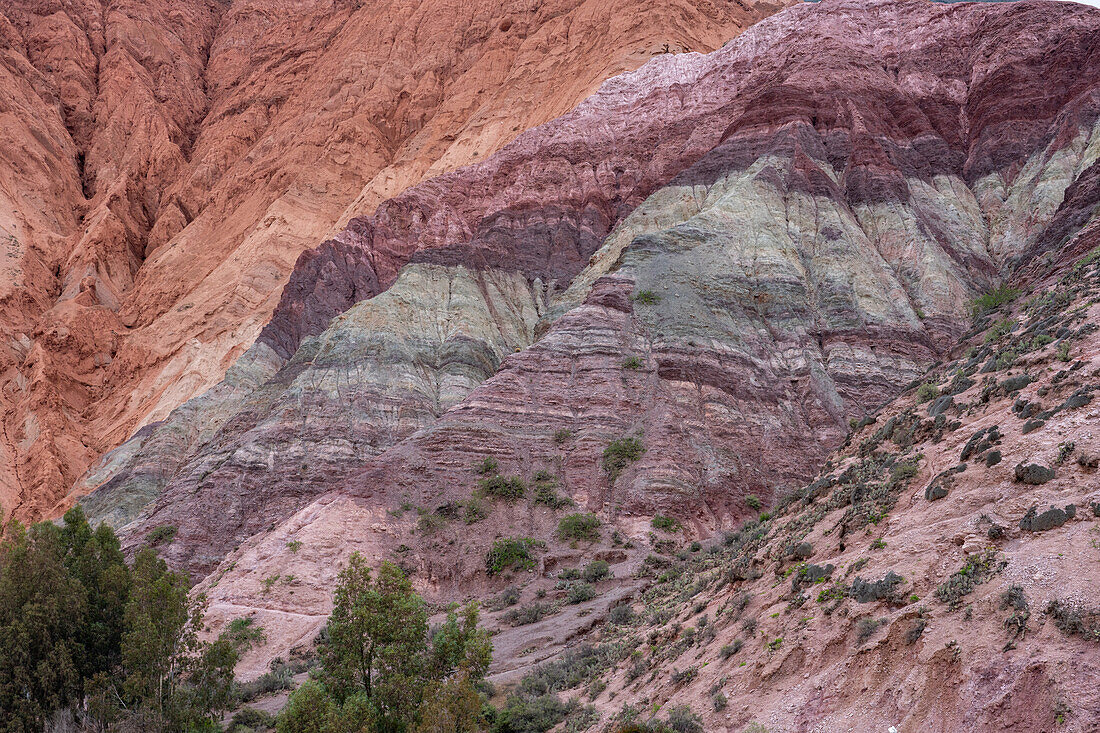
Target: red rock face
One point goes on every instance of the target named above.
(810, 210)
(164, 164)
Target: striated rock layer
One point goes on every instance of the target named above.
(793, 238)
(164, 164)
(725, 257)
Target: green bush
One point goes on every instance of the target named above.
(579, 593)
(531, 714)
(632, 362)
(163, 534)
(993, 299)
(511, 488)
(474, 511)
(596, 571)
(511, 553)
(619, 454)
(646, 297)
(486, 467)
(562, 436)
(753, 502)
(579, 527)
(665, 524)
(927, 392)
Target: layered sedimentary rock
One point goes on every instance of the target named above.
(165, 163)
(790, 236)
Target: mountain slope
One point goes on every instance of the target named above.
(725, 258)
(167, 162)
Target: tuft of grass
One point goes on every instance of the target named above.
(753, 502)
(646, 297)
(632, 362)
(294, 545)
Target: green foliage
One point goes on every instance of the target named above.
(993, 299)
(579, 593)
(474, 510)
(978, 569)
(563, 436)
(243, 633)
(294, 546)
(619, 454)
(632, 362)
(531, 714)
(509, 489)
(927, 392)
(545, 491)
(381, 668)
(665, 524)
(79, 627)
(511, 553)
(579, 527)
(646, 297)
(487, 466)
(998, 330)
(596, 571)
(162, 535)
(753, 502)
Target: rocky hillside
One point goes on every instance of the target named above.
(164, 163)
(837, 271)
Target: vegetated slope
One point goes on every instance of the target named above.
(708, 269)
(940, 572)
(164, 164)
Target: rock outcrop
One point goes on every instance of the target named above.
(731, 255)
(165, 163)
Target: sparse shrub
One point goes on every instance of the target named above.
(511, 553)
(646, 297)
(162, 535)
(978, 569)
(508, 597)
(621, 615)
(1075, 620)
(474, 510)
(927, 392)
(719, 701)
(579, 527)
(684, 677)
(998, 331)
(294, 545)
(729, 650)
(632, 363)
(429, 523)
(681, 719)
(753, 502)
(562, 436)
(487, 466)
(665, 524)
(244, 633)
(915, 631)
(596, 571)
(508, 489)
(250, 719)
(525, 615)
(993, 299)
(866, 627)
(579, 593)
(619, 454)
(531, 714)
